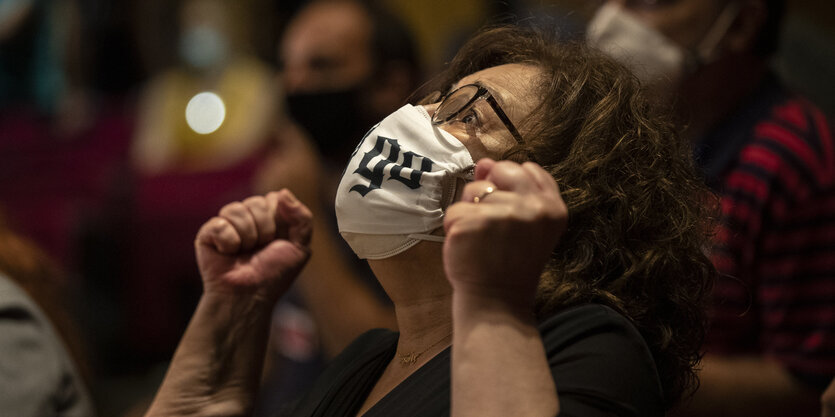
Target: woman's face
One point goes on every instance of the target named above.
(479, 128)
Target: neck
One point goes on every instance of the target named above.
(424, 324)
(717, 90)
(416, 283)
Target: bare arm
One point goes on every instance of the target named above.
(499, 366)
(216, 368)
(248, 257)
(493, 256)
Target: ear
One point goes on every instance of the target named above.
(744, 32)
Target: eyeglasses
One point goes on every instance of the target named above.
(465, 96)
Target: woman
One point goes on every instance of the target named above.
(585, 298)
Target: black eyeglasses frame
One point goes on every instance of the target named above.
(482, 92)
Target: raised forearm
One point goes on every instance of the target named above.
(499, 367)
(216, 368)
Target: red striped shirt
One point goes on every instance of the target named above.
(776, 244)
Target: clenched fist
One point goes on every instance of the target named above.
(256, 247)
(502, 231)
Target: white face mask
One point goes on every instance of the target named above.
(401, 177)
(656, 61)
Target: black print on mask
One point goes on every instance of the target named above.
(405, 173)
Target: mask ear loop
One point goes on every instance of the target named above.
(431, 238)
(707, 47)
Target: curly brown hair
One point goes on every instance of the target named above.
(639, 213)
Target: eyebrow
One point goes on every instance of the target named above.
(498, 107)
(496, 94)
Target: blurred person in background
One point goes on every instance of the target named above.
(39, 345)
(39, 60)
(213, 57)
(61, 138)
(770, 156)
(67, 71)
(344, 65)
(203, 128)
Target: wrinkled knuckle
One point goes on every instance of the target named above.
(232, 209)
(540, 210)
(256, 201)
(525, 207)
(218, 225)
(538, 205)
(507, 169)
(506, 165)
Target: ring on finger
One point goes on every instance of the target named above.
(488, 191)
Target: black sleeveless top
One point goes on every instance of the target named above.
(600, 364)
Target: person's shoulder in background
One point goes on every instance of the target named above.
(794, 144)
(37, 376)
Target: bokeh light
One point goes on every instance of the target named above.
(205, 112)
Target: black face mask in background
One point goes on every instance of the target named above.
(334, 119)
